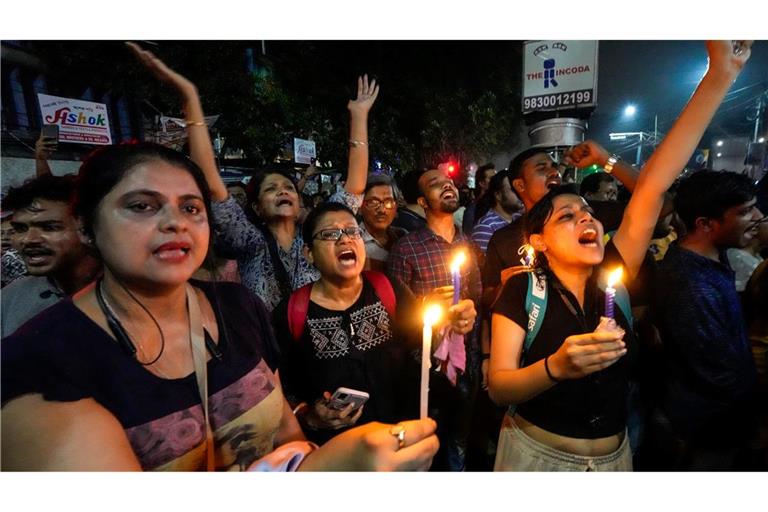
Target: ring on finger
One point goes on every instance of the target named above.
(399, 432)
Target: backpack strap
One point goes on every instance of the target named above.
(298, 305)
(536, 307)
(383, 289)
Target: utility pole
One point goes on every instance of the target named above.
(758, 116)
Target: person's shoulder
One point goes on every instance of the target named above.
(516, 285)
(23, 285)
(58, 321)
(227, 292)
(408, 240)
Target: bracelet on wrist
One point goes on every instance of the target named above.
(549, 373)
(354, 143)
(189, 122)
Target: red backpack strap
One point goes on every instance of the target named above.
(298, 304)
(384, 290)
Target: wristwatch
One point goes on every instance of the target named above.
(611, 162)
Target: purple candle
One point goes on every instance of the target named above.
(610, 291)
(456, 264)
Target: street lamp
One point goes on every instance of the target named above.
(630, 111)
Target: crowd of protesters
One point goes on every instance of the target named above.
(156, 318)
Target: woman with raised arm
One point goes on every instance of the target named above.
(147, 370)
(269, 252)
(570, 390)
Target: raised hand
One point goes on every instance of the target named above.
(585, 154)
(366, 96)
(161, 70)
(728, 57)
(44, 147)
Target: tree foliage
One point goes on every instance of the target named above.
(439, 100)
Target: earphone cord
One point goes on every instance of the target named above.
(112, 313)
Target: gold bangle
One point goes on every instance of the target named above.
(354, 143)
(195, 123)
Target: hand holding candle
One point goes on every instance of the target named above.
(610, 291)
(432, 315)
(456, 264)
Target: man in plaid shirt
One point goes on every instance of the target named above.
(419, 267)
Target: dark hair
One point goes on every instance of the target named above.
(49, 187)
(410, 186)
(535, 218)
(379, 180)
(480, 174)
(495, 185)
(104, 168)
(257, 179)
(516, 165)
(539, 214)
(316, 215)
(710, 193)
(591, 184)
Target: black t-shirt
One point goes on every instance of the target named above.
(588, 408)
(609, 213)
(64, 356)
(502, 251)
(356, 348)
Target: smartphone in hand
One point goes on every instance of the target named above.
(50, 131)
(345, 396)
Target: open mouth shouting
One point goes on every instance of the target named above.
(284, 201)
(448, 195)
(173, 252)
(589, 238)
(553, 181)
(36, 256)
(347, 258)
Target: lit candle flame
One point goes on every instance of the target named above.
(530, 252)
(432, 314)
(614, 277)
(458, 261)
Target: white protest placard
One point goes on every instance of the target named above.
(303, 151)
(79, 121)
(559, 75)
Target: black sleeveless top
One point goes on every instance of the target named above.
(593, 406)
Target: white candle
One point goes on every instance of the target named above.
(431, 316)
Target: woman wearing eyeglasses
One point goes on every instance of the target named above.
(341, 333)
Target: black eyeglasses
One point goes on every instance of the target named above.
(334, 235)
(374, 204)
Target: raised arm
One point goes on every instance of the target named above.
(200, 146)
(669, 159)
(590, 152)
(43, 149)
(357, 173)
